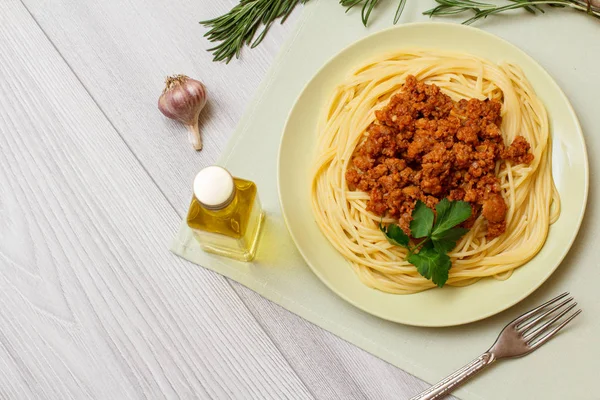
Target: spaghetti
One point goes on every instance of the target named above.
(528, 189)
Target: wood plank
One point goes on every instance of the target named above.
(121, 52)
(93, 304)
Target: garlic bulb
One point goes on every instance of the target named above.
(182, 99)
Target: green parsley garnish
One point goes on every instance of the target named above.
(439, 236)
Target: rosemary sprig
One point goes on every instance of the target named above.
(483, 10)
(238, 28)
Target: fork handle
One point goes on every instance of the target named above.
(451, 382)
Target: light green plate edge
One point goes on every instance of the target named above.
(448, 306)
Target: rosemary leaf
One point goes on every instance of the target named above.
(399, 10)
(366, 11)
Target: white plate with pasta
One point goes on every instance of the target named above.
(426, 117)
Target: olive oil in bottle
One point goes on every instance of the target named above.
(225, 214)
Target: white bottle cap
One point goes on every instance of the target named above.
(214, 187)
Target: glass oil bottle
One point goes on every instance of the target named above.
(225, 214)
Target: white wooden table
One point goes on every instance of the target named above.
(93, 184)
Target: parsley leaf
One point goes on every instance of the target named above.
(446, 241)
(450, 214)
(439, 236)
(395, 235)
(432, 264)
(422, 218)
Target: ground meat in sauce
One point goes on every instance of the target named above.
(424, 146)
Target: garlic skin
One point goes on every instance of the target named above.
(590, 3)
(182, 100)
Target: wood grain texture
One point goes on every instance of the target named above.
(121, 53)
(93, 304)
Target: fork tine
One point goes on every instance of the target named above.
(541, 329)
(529, 324)
(533, 312)
(554, 331)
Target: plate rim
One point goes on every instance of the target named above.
(508, 304)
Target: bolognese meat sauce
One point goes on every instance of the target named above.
(424, 146)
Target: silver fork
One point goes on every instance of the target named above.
(520, 337)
